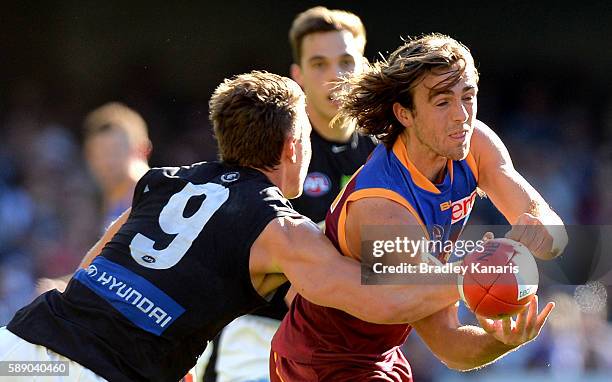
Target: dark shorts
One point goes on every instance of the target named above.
(286, 370)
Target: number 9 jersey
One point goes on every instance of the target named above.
(174, 274)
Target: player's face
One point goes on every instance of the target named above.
(326, 56)
(108, 154)
(443, 122)
(304, 153)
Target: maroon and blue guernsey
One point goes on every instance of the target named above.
(335, 345)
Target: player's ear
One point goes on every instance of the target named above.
(290, 150)
(403, 115)
(143, 150)
(296, 73)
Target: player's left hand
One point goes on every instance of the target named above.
(526, 327)
(539, 238)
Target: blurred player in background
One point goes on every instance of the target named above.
(421, 103)
(200, 246)
(116, 148)
(326, 45)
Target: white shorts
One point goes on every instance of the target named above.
(14, 348)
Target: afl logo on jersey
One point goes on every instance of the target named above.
(148, 259)
(316, 184)
(92, 270)
(230, 177)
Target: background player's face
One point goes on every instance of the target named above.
(325, 57)
(108, 157)
(304, 153)
(443, 122)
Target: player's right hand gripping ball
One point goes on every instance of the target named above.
(500, 280)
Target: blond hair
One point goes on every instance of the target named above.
(116, 115)
(252, 115)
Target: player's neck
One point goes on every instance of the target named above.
(275, 176)
(338, 132)
(430, 164)
(137, 168)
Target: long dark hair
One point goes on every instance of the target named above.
(368, 97)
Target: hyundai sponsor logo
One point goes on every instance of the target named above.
(136, 298)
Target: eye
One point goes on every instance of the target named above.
(318, 65)
(347, 64)
(441, 103)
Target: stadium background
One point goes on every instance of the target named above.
(545, 88)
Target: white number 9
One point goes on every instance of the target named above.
(171, 221)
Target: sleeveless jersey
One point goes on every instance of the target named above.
(174, 275)
(331, 166)
(317, 335)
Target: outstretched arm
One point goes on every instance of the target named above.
(322, 275)
(469, 347)
(535, 224)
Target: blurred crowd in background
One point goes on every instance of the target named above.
(50, 206)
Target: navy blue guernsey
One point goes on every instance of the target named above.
(174, 275)
(330, 169)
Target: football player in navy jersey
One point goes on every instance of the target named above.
(200, 246)
(326, 45)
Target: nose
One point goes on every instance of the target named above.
(460, 112)
(333, 76)
(336, 72)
